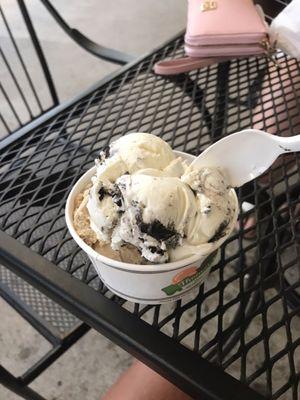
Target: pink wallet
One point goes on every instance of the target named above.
(217, 31)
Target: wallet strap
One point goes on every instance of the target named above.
(186, 64)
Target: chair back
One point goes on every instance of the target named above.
(26, 85)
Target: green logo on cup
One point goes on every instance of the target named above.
(189, 275)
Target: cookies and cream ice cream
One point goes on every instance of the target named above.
(144, 200)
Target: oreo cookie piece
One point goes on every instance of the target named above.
(101, 193)
(115, 194)
(220, 232)
(156, 250)
(157, 230)
(117, 198)
(104, 154)
(173, 241)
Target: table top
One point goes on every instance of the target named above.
(236, 335)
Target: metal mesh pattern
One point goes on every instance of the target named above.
(237, 319)
(47, 309)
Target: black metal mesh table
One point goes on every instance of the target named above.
(208, 343)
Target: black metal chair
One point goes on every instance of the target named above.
(59, 327)
(19, 80)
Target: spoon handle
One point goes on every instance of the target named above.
(288, 144)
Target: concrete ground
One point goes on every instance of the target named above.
(135, 26)
(83, 372)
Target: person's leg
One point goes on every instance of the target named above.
(278, 111)
(141, 383)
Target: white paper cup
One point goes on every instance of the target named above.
(151, 284)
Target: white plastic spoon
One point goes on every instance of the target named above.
(247, 154)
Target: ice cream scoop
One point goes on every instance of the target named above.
(127, 155)
(158, 211)
(131, 153)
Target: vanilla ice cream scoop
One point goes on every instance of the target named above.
(127, 155)
(157, 212)
(131, 153)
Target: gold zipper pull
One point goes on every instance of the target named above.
(270, 51)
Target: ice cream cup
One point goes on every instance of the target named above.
(151, 284)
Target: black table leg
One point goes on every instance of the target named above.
(220, 115)
(17, 386)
